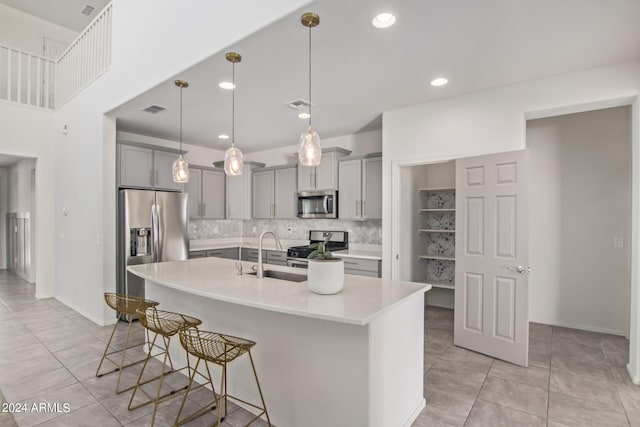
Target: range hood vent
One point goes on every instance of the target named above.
(298, 104)
(154, 109)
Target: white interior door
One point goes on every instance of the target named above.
(492, 260)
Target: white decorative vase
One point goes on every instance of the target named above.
(325, 277)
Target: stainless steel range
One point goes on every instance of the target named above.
(297, 255)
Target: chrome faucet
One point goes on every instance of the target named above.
(260, 271)
(239, 262)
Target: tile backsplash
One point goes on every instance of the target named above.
(366, 232)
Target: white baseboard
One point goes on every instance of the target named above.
(634, 379)
(78, 310)
(43, 296)
(23, 276)
(584, 327)
(416, 413)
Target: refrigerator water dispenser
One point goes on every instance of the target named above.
(140, 241)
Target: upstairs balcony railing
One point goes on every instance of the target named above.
(36, 81)
(26, 78)
(85, 59)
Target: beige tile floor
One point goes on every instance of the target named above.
(49, 353)
(574, 378)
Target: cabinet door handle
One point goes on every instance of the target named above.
(315, 179)
(204, 210)
(151, 177)
(363, 207)
(275, 210)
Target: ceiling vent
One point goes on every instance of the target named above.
(154, 109)
(87, 10)
(298, 104)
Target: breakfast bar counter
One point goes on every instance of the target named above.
(350, 359)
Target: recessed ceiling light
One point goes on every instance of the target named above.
(226, 85)
(223, 136)
(383, 20)
(304, 115)
(440, 81)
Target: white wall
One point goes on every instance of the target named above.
(20, 199)
(26, 32)
(195, 154)
(4, 201)
(493, 121)
(143, 32)
(580, 198)
(358, 143)
(27, 132)
(20, 186)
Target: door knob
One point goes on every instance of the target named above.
(520, 269)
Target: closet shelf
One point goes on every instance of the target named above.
(440, 257)
(437, 210)
(443, 285)
(423, 190)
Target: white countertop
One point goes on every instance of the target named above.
(359, 253)
(361, 300)
(355, 251)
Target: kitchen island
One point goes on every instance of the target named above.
(350, 359)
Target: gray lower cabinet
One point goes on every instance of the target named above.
(197, 254)
(251, 254)
(362, 267)
(277, 257)
(230, 253)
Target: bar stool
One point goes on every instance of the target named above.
(164, 324)
(126, 307)
(221, 350)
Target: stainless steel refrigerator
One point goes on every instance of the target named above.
(153, 226)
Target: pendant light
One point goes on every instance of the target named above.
(310, 152)
(180, 166)
(233, 157)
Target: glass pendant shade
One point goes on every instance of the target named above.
(310, 152)
(180, 170)
(233, 161)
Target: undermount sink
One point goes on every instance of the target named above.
(282, 275)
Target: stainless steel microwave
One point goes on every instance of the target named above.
(318, 204)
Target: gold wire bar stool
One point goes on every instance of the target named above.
(126, 307)
(164, 324)
(221, 350)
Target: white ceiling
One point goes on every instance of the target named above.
(360, 72)
(65, 13)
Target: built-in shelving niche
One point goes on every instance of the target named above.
(436, 231)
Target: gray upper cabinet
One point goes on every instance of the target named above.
(239, 192)
(194, 189)
(142, 166)
(136, 166)
(206, 189)
(263, 194)
(360, 188)
(213, 197)
(324, 176)
(163, 168)
(274, 193)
